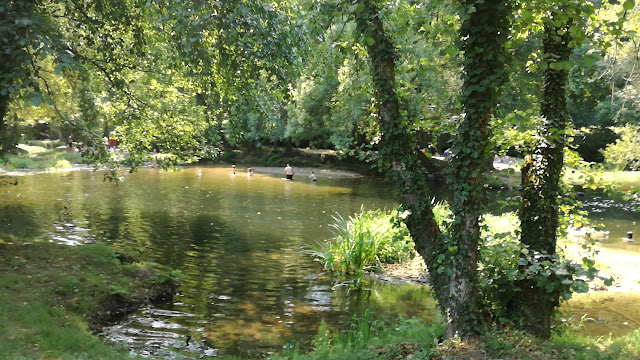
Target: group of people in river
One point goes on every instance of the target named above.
(288, 173)
(233, 171)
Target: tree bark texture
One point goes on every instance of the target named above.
(398, 149)
(5, 138)
(484, 28)
(541, 175)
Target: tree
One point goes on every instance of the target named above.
(541, 175)
(485, 27)
(452, 261)
(563, 29)
(77, 36)
(397, 147)
(17, 35)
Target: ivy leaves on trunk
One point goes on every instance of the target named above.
(452, 260)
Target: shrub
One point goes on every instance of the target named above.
(504, 261)
(63, 164)
(74, 157)
(367, 240)
(16, 162)
(624, 154)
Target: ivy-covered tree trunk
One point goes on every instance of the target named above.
(4, 109)
(485, 27)
(541, 183)
(452, 265)
(398, 150)
(19, 24)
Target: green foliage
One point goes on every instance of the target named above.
(118, 290)
(17, 162)
(368, 339)
(44, 159)
(590, 141)
(624, 154)
(505, 262)
(364, 241)
(368, 239)
(169, 276)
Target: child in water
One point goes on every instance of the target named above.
(313, 176)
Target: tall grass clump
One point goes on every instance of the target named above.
(364, 241)
(367, 240)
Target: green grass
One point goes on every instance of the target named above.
(41, 158)
(417, 339)
(48, 292)
(621, 179)
(368, 339)
(363, 242)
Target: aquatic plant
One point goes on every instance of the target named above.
(366, 240)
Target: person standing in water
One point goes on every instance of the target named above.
(288, 172)
(313, 176)
(233, 169)
(70, 143)
(249, 172)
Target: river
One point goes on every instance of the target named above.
(248, 289)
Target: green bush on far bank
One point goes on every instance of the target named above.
(42, 159)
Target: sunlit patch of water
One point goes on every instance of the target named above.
(72, 233)
(603, 314)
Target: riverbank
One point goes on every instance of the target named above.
(622, 267)
(55, 298)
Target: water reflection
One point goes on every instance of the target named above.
(248, 290)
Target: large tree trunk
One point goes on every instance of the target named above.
(485, 31)
(6, 140)
(399, 152)
(452, 265)
(541, 184)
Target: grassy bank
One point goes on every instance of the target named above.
(53, 297)
(415, 339)
(34, 157)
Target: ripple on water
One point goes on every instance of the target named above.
(154, 332)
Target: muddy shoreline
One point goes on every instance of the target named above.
(622, 268)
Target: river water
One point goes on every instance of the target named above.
(248, 289)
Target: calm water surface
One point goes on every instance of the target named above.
(248, 288)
